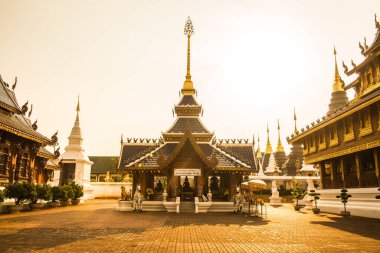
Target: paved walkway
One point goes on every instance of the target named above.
(96, 227)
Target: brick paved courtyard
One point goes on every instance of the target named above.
(96, 227)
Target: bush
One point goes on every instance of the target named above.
(16, 191)
(344, 196)
(2, 196)
(56, 193)
(30, 191)
(67, 192)
(77, 190)
(43, 192)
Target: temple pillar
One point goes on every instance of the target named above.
(322, 173)
(144, 181)
(232, 186)
(376, 160)
(358, 169)
(200, 184)
(332, 174)
(343, 170)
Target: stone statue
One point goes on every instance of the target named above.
(214, 184)
(158, 187)
(186, 185)
(124, 194)
(137, 200)
(238, 203)
(275, 192)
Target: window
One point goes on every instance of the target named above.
(23, 165)
(3, 161)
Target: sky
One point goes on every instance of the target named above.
(252, 62)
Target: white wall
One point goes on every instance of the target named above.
(109, 189)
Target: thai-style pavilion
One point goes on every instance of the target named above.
(188, 161)
(23, 154)
(345, 142)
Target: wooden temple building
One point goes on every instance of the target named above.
(345, 143)
(187, 160)
(23, 154)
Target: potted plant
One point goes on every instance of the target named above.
(77, 193)
(43, 193)
(56, 193)
(226, 194)
(315, 199)
(149, 193)
(298, 194)
(2, 196)
(378, 196)
(67, 195)
(344, 196)
(17, 192)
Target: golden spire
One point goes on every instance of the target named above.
(338, 85)
(188, 88)
(280, 148)
(295, 122)
(258, 148)
(78, 107)
(268, 150)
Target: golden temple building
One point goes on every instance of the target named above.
(23, 153)
(187, 160)
(345, 142)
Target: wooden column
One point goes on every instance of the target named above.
(358, 169)
(332, 175)
(322, 173)
(376, 160)
(343, 170)
(232, 185)
(200, 185)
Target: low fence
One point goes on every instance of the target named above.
(109, 190)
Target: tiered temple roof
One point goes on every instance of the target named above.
(187, 131)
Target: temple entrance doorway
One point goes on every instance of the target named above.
(187, 187)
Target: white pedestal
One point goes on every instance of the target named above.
(275, 201)
(124, 206)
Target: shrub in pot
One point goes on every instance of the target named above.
(344, 196)
(17, 192)
(67, 195)
(2, 196)
(56, 193)
(77, 193)
(43, 192)
(298, 194)
(315, 199)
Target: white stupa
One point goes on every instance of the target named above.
(272, 167)
(76, 164)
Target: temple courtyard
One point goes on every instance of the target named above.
(96, 227)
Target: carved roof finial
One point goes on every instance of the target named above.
(31, 110)
(377, 23)
(258, 154)
(15, 84)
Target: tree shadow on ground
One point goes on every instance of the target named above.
(356, 225)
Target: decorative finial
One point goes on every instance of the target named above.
(377, 23)
(78, 106)
(121, 139)
(295, 122)
(337, 86)
(25, 108)
(31, 110)
(258, 154)
(353, 63)
(188, 88)
(14, 85)
(361, 48)
(365, 43)
(345, 68)
(189, 28)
